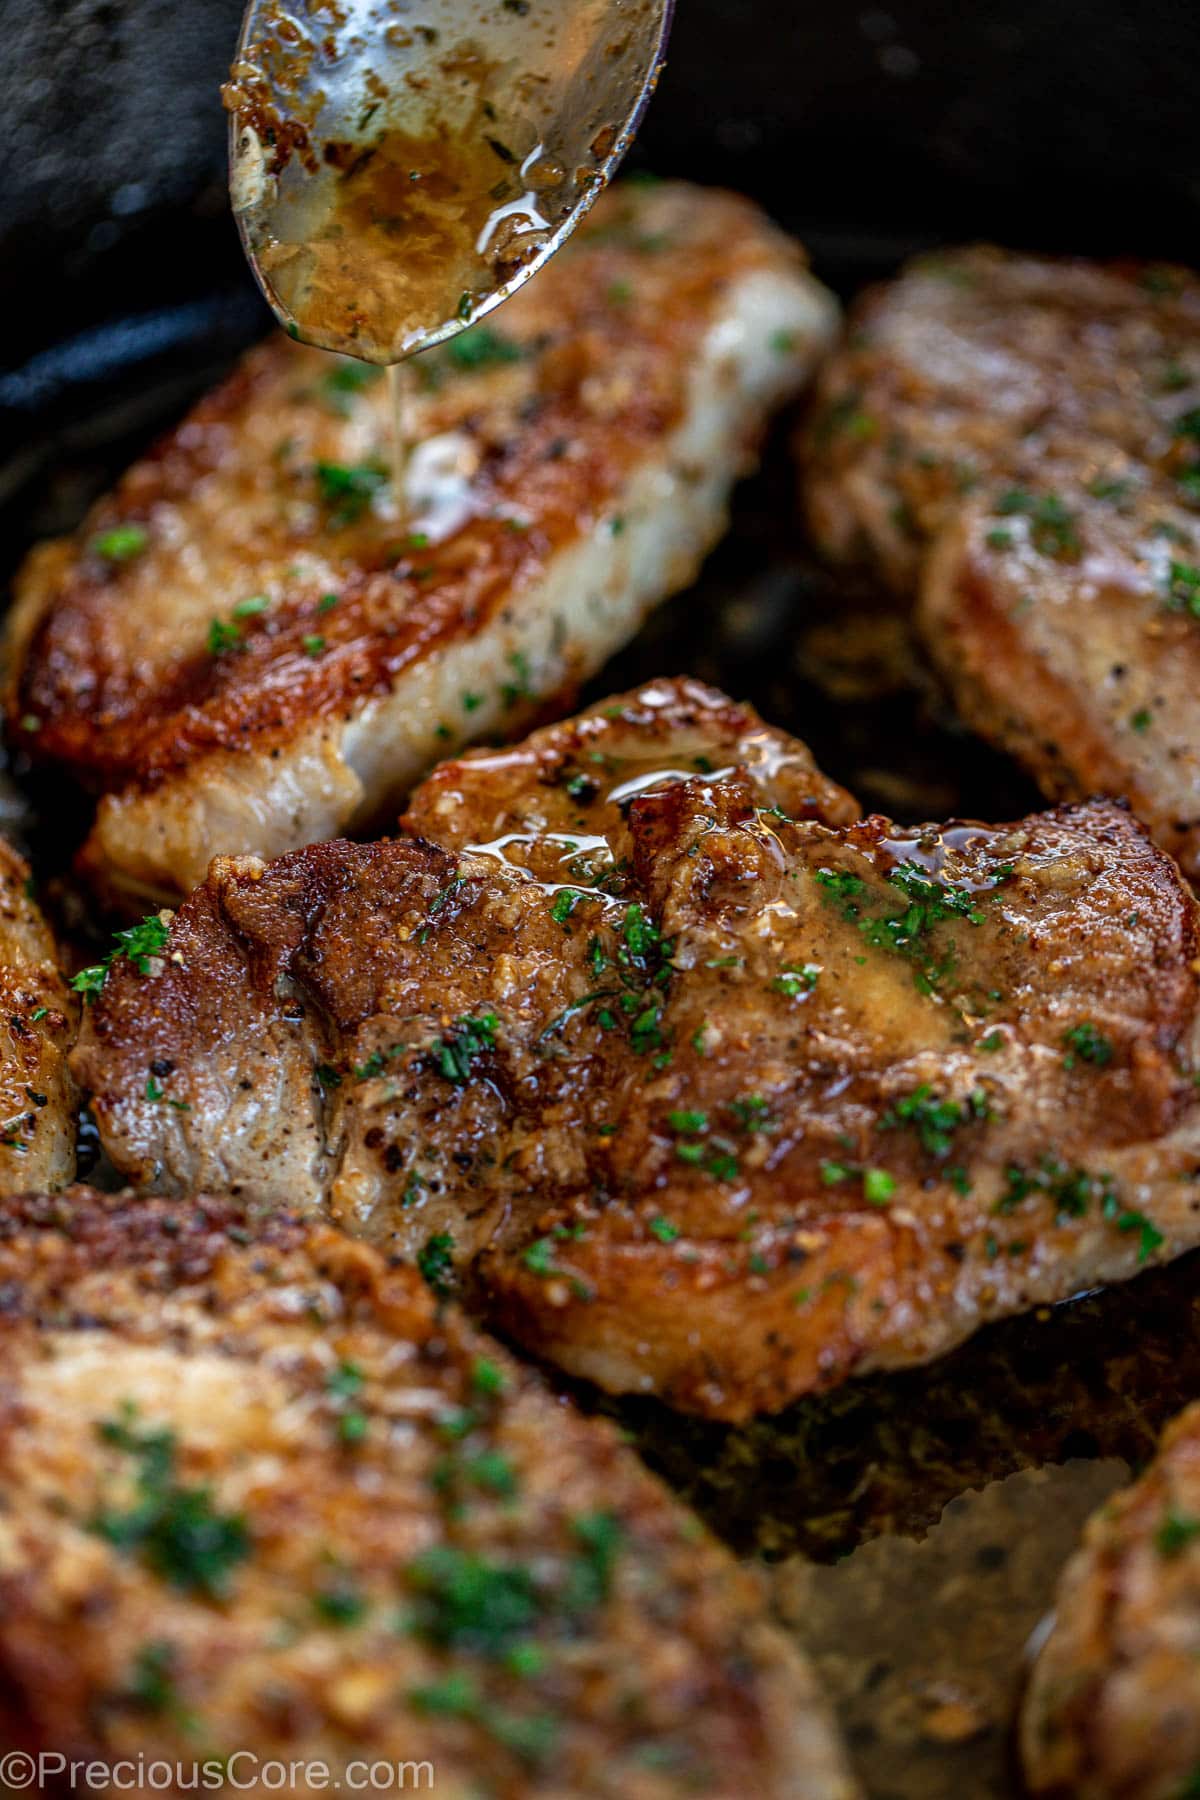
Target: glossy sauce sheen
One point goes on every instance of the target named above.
(399, 239)
(706, 1088)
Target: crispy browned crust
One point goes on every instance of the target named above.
(703, 1037)
(38, 1017)
(357, 1435)
(1112, 1711)
(974, 390)
(112, 674)
(1077, 664)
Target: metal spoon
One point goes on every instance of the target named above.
(399, 167)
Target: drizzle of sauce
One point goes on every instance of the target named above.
(403, 234)
(928, 850)
(640, 784)
(574, 845)
(400, 384)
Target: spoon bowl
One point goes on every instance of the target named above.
(399, 167)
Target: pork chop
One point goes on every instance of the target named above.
(1015, 439)
(38, 1017)
(1112, 1711)
(700, 1085)
(251, 646)
(265, 1506)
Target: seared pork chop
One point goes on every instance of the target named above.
(251, 646)
(704, 1087)
(1016, 438)
(37, 1027)
(1112, 1711)
(263, 1501)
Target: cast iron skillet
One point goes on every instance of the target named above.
(873, 133)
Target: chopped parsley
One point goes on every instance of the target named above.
(520, 687)
(454, 1055)
(466, 1601)
(1052, 526)
(1086, 1043)
(841, 883)
(583, 789)
(565, 904)
(641, 964)
(437, 903)
(599, 1537)
(151, 1682)
(349, 488)
(1074, 1192)
(1175, 1532)
(1183, 588)
(844, 417)
(935, 1120)
(345, 1382)
(753, 1114)
(155, 1092)
(1108, 487)
(138, 943)
(340, 1604)
(1187, 426)
(877, 1185)
(222, 637)
(539, 1257)
(487, 1378)
(178, 1531)
(700, 1148)
(908, 933)
(797, 979)
(122, 543)
(435, 1261)
(489, 1470)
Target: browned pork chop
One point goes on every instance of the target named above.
(251, 646)
(1113, 1707)
(37, 1028)
(262, 1502)
(703, 1087)
(1018, 439)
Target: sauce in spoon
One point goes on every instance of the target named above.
(394, 181)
